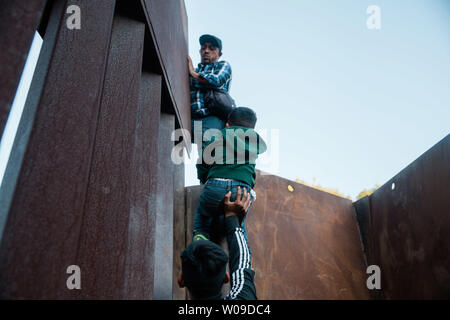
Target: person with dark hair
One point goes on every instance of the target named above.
(203, 263)
(243, 116)
(230, 164)
(209, 74)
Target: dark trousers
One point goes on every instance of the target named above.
(209, 217)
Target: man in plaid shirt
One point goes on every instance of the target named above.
(210, 73)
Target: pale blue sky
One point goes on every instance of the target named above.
(353, 106)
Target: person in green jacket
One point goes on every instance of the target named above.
(228, 162)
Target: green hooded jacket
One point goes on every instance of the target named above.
(224, 159)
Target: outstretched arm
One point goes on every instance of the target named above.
(216, 79)
(220, 76)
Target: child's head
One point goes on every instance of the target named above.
(243, 117)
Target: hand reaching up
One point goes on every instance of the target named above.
(238, 207)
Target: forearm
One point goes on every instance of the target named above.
(218, 78)
(197, 77)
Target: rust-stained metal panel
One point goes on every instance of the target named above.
(44, 218)
(103, 239)
(163, 275)
(139, 268)
(409, 228)
(168, 25)
(305, 244)
(19, 20)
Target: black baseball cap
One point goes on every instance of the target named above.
(213, 39)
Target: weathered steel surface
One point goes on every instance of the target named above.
(96, 187)
(41, 235)
(163, 275)
(103, 240)
(139, 266)
(362, 212)
(19, 20)
(409, 228)
(305, 244)
(168, 26)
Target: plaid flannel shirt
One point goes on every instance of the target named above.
(218, 74)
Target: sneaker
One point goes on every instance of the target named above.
(199, 236)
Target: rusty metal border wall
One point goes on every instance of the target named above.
(91, 159)
(405, 227)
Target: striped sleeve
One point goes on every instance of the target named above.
(220, 76)
(242, 276)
